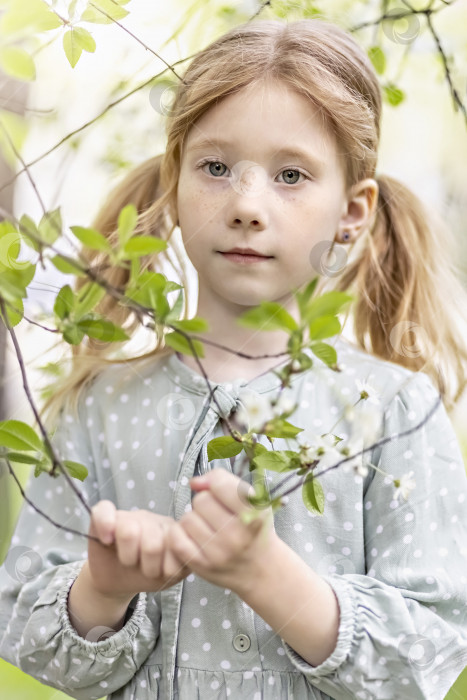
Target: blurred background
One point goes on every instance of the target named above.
(423, 144)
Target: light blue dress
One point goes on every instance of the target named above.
(398, 567)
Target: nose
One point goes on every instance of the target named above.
(248, 201)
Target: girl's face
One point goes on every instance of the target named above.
(256, 193)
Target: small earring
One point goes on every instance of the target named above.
(346, 236)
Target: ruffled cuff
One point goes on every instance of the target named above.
(98, 639)
(52, 651)
(347, 624)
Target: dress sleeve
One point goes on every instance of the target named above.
(42, 563)
(403, 626)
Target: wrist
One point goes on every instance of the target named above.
(256, 577)
(107, 599)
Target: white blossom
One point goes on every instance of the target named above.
(366, 424)
(353, 447)
(367, 392)
(321, 448)
(404, 485)
(255, 410)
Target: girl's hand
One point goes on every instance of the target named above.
(212, 540)
(129, 560)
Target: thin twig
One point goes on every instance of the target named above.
(41, 512)
(148, 48)
(56, 461)
(383, 441)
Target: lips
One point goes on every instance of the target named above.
(246, 259)
(248, 252)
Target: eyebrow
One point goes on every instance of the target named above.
(290, 151)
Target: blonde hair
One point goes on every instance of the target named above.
(402, 271)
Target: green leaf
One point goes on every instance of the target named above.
(144, 288)
(176, 309)
(127, 220)
(223, 447)
(313, 495)
(278, 427)
(393, 94)
(192, 325)
(276, 460)
(71, 47)
(75, 469)
(14, 313)
(21, 458)
(303, 297)
(253, 451)
(50, 226)
(66, 266)
(328, 304)
(29, 232)
(110, 11)
(162, 306)
(13, 283)
(17, 128)
(10, 247)
(28, 14)
(324, 327)
(54, 368)
(17, 63)
(84, 39)
(102, 329)
(64, 302)
(19, 436)
(268, 316)
(171, 286)
(72, 334)
(179, 343)
(75, 41)
(45, 465)
(87, 298)
(378, 58)
(324, 352)
(143, 245)
(91, 238)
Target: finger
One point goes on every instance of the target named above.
(204, 537)
(183, 547)
(216, 515)
(172, 567)
(152, 549)
(103, 521)
(231, 491)
(127, 538)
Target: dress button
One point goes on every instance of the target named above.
(241, 642)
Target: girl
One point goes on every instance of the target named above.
(272, 146)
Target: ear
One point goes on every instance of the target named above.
(359, 212)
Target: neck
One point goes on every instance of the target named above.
(220, 365)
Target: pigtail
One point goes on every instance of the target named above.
(410, 299)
